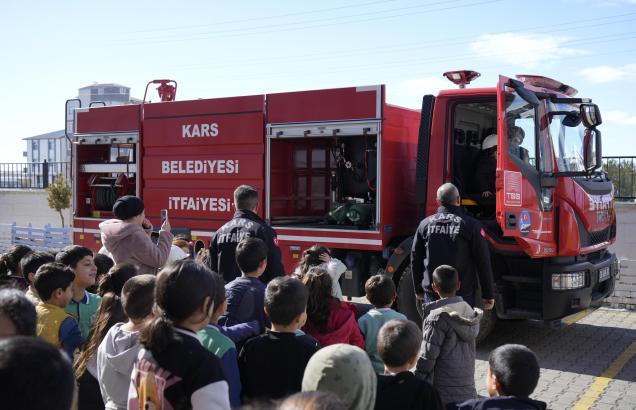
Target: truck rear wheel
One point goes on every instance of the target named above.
(406, 301)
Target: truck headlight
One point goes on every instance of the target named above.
(573, 280)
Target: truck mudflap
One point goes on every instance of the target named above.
(594, 281)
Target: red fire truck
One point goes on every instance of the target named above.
(345, 169)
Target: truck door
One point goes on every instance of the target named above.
(524, 206)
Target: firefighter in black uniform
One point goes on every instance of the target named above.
(245, 224)
(453, 238)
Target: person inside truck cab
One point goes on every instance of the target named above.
(515, 139)
(486, 167)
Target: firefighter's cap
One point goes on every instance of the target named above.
(489, 142)
(128, 206)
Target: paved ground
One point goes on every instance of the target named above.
(573, 358)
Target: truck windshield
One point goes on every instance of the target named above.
(567, 139)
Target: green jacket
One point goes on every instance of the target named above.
(84, 311)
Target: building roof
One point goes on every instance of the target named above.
(48, 135)
(103, 85)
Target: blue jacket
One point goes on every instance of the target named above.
(245, 302)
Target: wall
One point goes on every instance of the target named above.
(24, 206)
(625, 248)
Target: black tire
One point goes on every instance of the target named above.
(487, 324)
(406, 301)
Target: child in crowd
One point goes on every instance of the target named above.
(512, 375)
(272, 364)
(10, 272)
(17, 314)
(344, 370)
(320, 257)
(109, 313)
(83, 304)
(53, 282)
(399, 347)
(447, 357)
(245, 294)
(174, 369)
(118, 351)
(127, 237)
(28, 266)
(380, 292)
(34, 375)
(328, 320)
(103, 263)
(222, 346)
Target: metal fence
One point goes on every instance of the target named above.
(621, 170)
(32, 174)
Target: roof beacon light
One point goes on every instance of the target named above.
(461, 77)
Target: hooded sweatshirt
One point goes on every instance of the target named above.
(129, 242)
(115, 358)
(341, 327)
(447, 355)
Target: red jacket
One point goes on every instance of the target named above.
(341, 327)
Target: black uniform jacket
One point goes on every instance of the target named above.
(244, 224)
(453, 238)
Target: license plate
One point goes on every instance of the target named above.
(603, 274)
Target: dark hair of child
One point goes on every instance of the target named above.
(32, 261)
(115, 279)
(219, 290)
(103, 263)
(181, 290)
(312, 400)
(380, 290)
(311, 258)
(72, 254)
(52, 276)
(10, 261)
(445, 277)
(19, 310)
(318, 284)
(398, 342)
(35, 373)
(109, 313)
(138, 295)
(516, 368)
(250, 253)
(285, 299)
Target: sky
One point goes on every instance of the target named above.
(49, 49)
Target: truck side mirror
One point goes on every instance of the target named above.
(590, 115)
(592, 156)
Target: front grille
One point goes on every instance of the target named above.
(599, 236)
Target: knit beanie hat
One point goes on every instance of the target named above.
(128, 206)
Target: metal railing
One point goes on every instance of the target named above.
(621, 170)
(33, 174)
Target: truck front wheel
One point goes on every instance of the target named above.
(406, 301)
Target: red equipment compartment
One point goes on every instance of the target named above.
(123, 118)
(196, 153)
(338, 104)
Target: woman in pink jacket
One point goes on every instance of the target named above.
(127, 238)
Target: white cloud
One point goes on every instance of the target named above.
(605, 74)
(420, 86)
(527, 50)
(619, 117)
